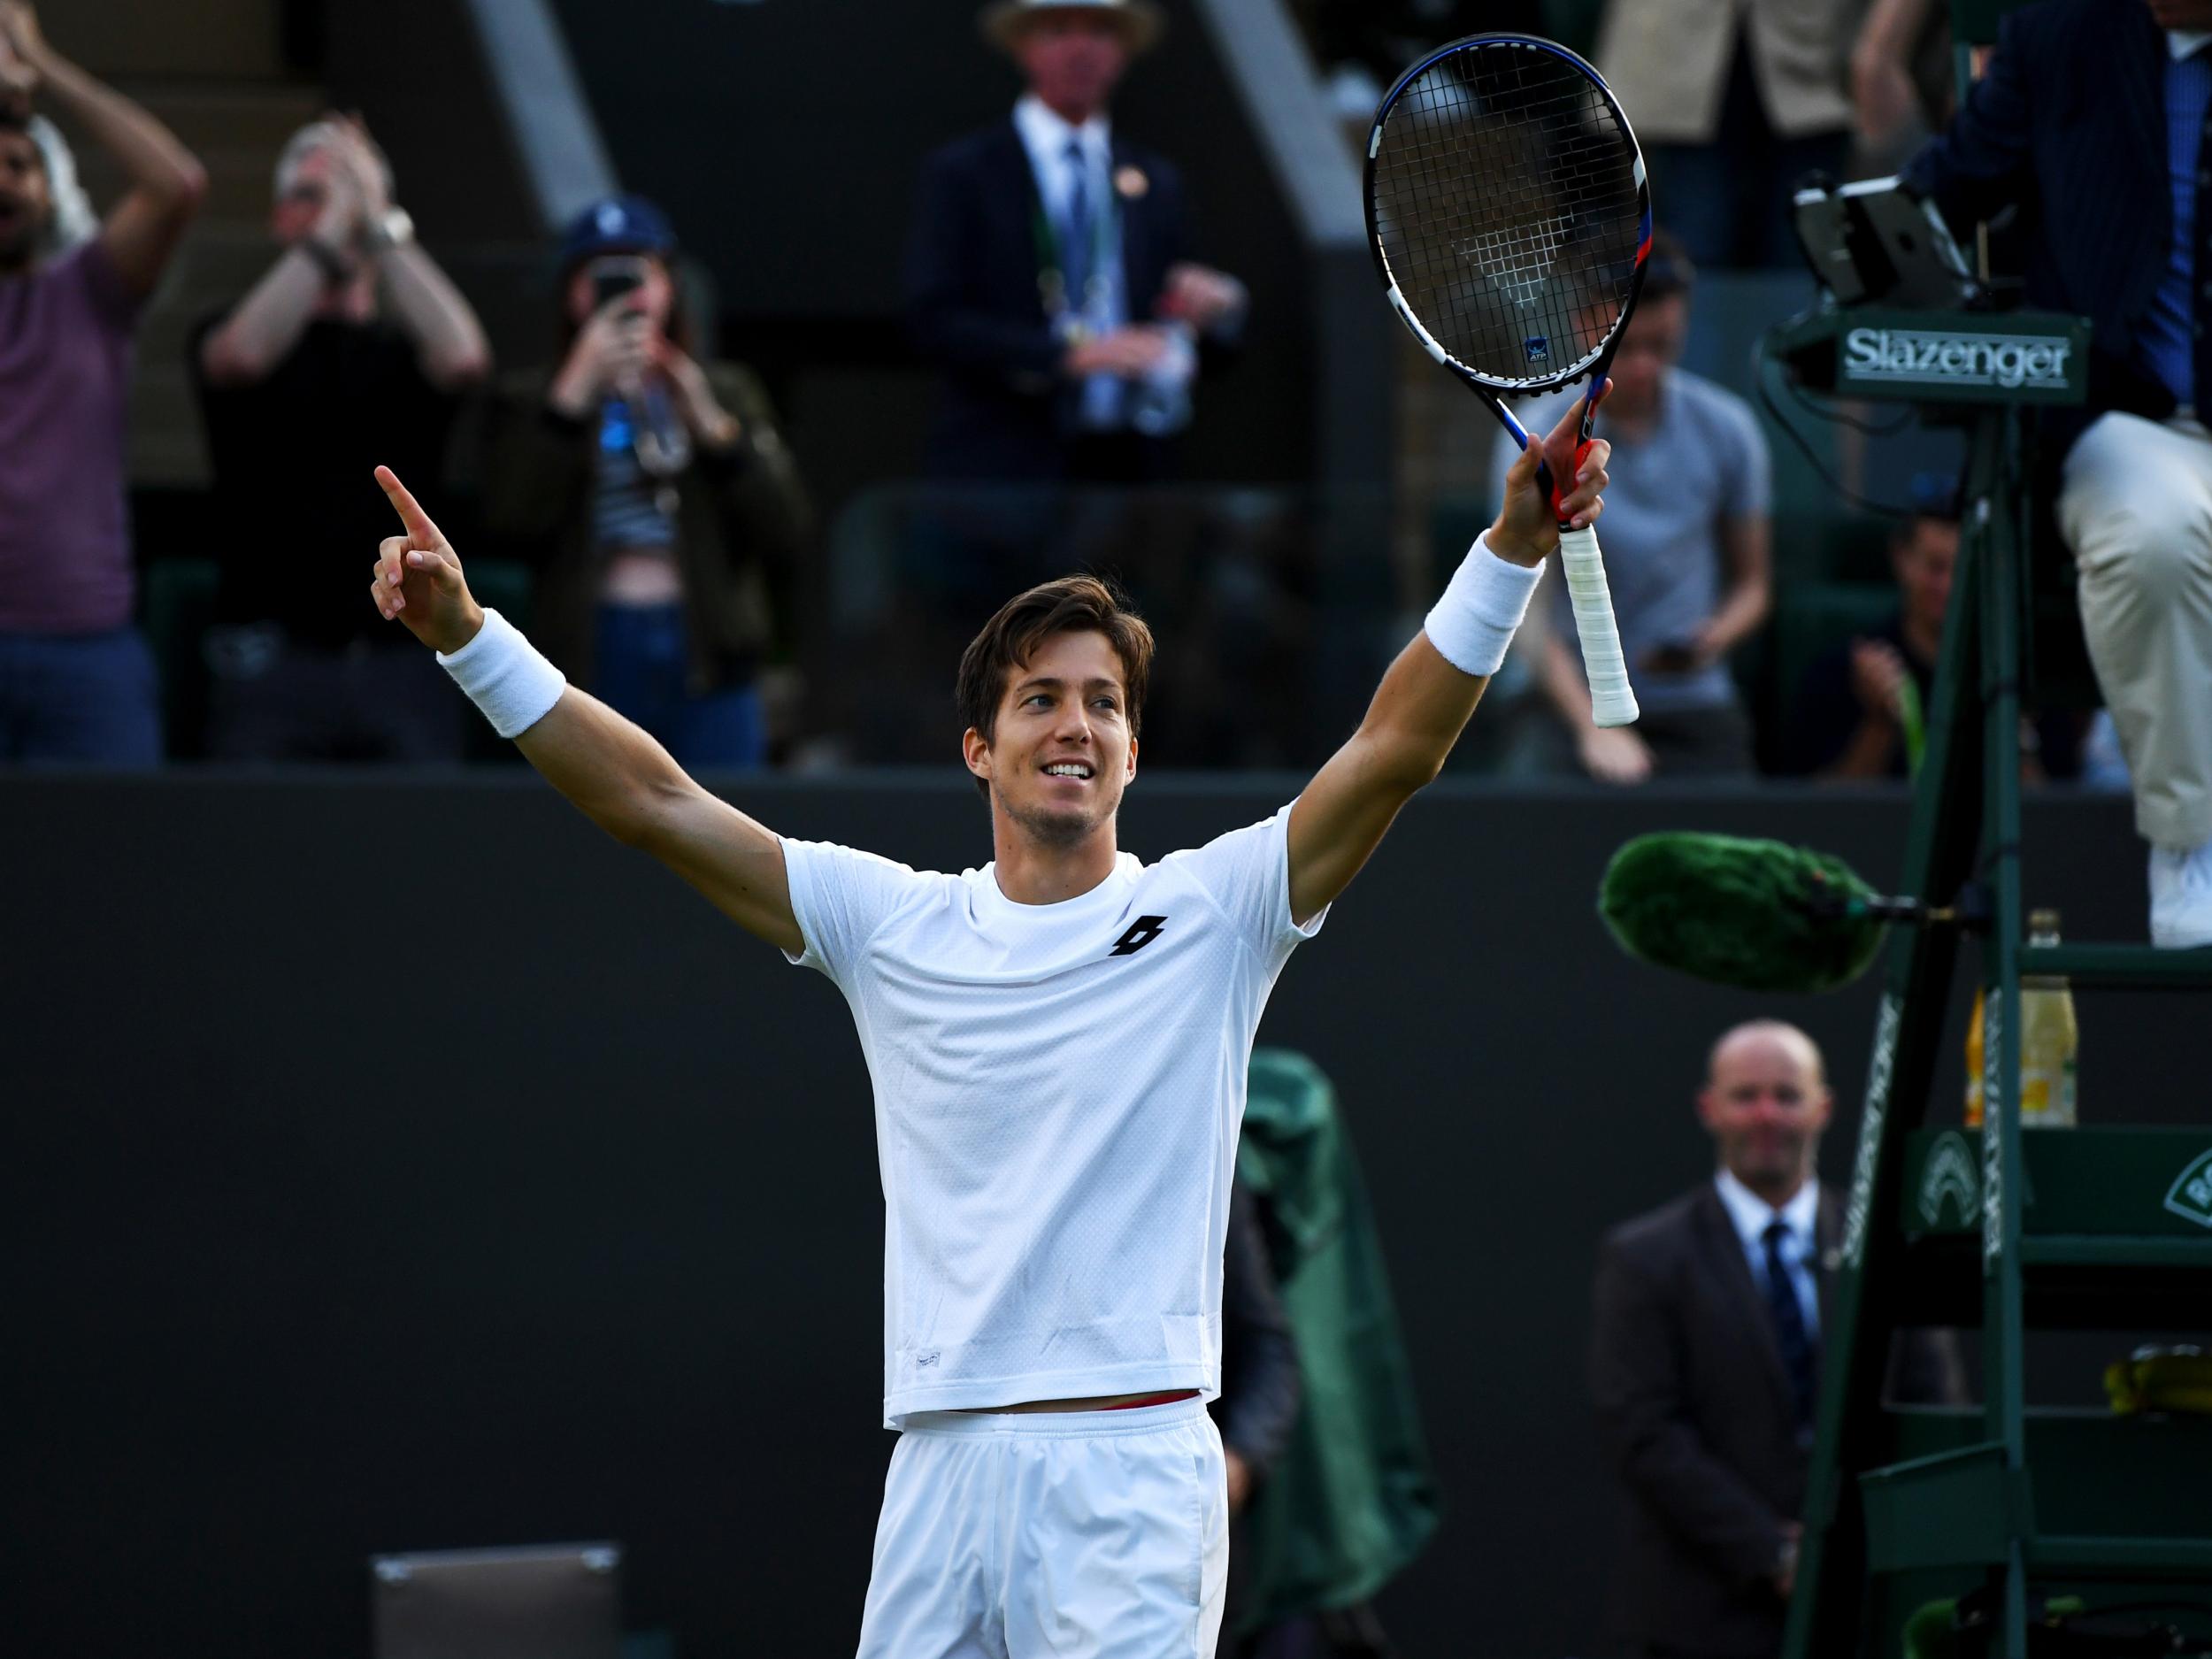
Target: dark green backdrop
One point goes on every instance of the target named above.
(396, 1165)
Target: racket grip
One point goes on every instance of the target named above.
(1612, 702)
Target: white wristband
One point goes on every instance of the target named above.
(1474, 621)
(505, 676)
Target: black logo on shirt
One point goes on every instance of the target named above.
(1142, 932)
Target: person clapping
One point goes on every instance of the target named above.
(353, 347)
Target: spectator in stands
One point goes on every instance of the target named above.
(1047, 272)
(350, 352)
(1901, 79)
(1705, 1359)
(654, 493)
(2116, 224)
(1364, 45)
(1686, 551)
(76, 679)
(1734, 104)
(1861, 702)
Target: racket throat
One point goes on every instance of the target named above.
(1552, 485)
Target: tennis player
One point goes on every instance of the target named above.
(1058, 1043)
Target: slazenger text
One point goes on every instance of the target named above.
(1911, 354)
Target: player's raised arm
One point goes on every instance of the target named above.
(614, 772)
(1428, 693)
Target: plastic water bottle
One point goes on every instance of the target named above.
(2050, 1044)
(2050, 1040)
(1160, 403)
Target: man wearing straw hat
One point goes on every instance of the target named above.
(1047, 275)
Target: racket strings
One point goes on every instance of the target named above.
(1509, 211)
(1517, 259)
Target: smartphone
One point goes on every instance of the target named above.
(612, 279)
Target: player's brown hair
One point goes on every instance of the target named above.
(1073, 604)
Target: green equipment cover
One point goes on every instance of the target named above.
(1352, 1501)
(1757, 915)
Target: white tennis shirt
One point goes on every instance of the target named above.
(1058, 1091)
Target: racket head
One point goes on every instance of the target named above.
(1508, 211)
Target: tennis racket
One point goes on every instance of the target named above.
(1510, 216)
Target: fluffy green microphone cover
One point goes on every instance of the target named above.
(1758, 915)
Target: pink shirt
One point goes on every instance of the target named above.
(64, 380)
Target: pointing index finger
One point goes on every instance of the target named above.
(420, 532)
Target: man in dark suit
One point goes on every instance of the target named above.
(2092, 120)
(1705, 1360)
(1046, 273)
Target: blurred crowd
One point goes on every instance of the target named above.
(633, 496)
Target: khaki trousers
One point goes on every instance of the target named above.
(2135, 504)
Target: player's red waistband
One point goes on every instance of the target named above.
(1168, 1399)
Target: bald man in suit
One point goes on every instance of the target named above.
(1705, 1360)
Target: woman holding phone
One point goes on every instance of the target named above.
(653, 495)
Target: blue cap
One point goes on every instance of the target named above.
(1935, 495)
(619, 224)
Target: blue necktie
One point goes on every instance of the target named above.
(1799, 1362)
(1082, 235)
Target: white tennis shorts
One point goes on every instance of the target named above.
(1051, 1535)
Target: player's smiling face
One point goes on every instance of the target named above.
(1061, 753)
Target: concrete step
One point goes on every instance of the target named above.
(246, 112)
(117, 39)
(240, 182)
(237, 131)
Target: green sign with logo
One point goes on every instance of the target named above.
(2137, 1183)
(1950, 1187)
(2191, 1195)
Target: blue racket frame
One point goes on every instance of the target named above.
(1594, 364)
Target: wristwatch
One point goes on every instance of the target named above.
(396, 228)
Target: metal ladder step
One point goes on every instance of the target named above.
(2188, 1559)
(2122, 967)
(2079, 1250)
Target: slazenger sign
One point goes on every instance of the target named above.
(1932, 358)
